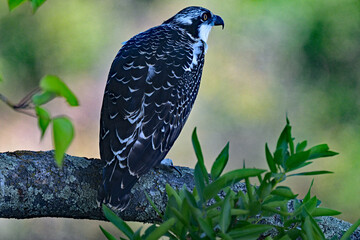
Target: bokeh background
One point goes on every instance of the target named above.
(274, 57)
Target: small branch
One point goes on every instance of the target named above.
(24, 104)
(31, 185)
(6, 101)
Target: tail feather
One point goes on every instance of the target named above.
(115, 190)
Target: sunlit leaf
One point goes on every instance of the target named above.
(220, 163)
(228, 179)
(161, 230)
(14, 3)
(199, 155)
(63, 134)
(43, 119)
(107, 234)
(117, 221)
(42, 98)
(54, 84)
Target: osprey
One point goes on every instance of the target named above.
(151, 88)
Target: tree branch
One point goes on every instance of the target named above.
(31, 185)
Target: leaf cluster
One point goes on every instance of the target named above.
(213, 210)
(63, 129)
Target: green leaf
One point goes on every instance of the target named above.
(179, 216)
(117, 221)
(237, 212)
(137, 234)
(318, 212)
(43, 119)
(296, 159)
(171, 192)
(220, 162)
(301, 146)
(228, 179)
(63, 134)
(310, 173)
(199, 181)
(249, 232)
(199, 155)
(148, 231)
(350, 230)
(14, 3)
(208, 230)
(264, 189)
(270, 160)
(153, 204)
(224, 236)
(54, 84)
(161, 230)
(284, 192)
(307, 196)
(286, 237)
(42, 98)
(289, 139)
(315, 232)
(225, 215)
(311, 204)
(282, 142)
(107, 234)
(320, 151)
(36, 4)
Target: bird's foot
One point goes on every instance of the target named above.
(167, 164)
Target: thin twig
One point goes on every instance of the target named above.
(6, 101)
(23, 105)
(27, 100)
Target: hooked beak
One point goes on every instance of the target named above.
(218, 21)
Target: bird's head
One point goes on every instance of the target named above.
(197, 21)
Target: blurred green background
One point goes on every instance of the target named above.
(278, 57)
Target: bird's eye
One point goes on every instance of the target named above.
(205, 16)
